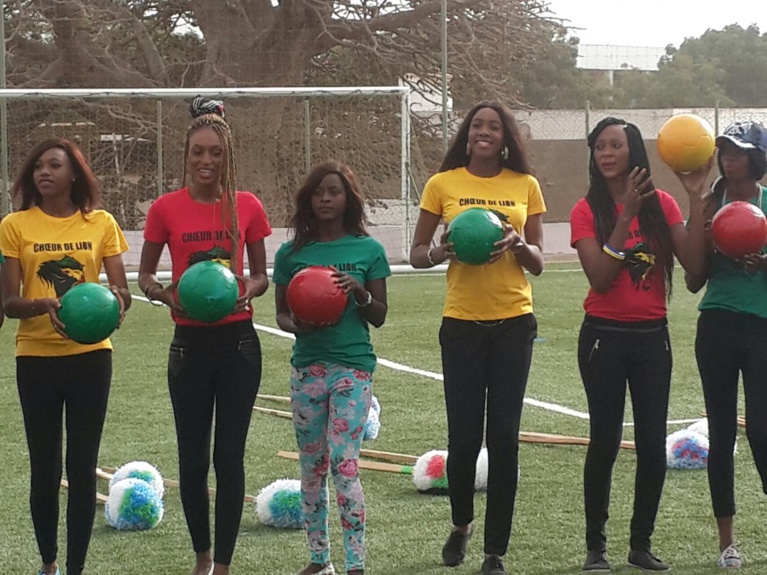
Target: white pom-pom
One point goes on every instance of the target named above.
(430, 472)
(140, 470)
(480, 478)
(686, 449)
(700, 426)
(375, 405)
(133, 505)
(372, 426)
(279, 504)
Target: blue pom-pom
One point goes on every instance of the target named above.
(279, 504)
(140, 470)
(686, 449)
(133, 505)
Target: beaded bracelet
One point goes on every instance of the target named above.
(612, 252)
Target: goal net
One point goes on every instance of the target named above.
(134, 141)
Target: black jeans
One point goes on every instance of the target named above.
(729, 343)
(485, 367)
(610, 354)
(77, 385)
(213, 369)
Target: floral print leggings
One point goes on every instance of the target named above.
(330, 405)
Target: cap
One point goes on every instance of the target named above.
(746, 135)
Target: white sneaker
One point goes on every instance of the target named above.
(730, 558)
(327, 570)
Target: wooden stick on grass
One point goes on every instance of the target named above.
(741, 420)
(100, 497)
(280, 398)
(362, 464)
(275, 412)
(524, 436)
(108, 472)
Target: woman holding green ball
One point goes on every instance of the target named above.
(56, 240)
(487, 339)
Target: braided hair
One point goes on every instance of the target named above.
(652, 219)
(210, 114)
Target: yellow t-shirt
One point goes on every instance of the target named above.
(55, 254)
(492, 291)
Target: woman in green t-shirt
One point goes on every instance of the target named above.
(732, 331)
(331, 385)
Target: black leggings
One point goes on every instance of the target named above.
(77, 385)
(213, 369)
(609, 355)
(485, 367)
(729, 343)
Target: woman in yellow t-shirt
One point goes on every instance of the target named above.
(56, 240)
(488, 326)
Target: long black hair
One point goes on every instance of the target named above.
(652, 221)
(518, 159)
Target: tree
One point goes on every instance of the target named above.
(722, 66)
(231, 43)
(151, 43)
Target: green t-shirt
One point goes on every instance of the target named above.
(2, 259)
(732, 288)
(348, 342)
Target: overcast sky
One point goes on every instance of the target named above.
(655, 22)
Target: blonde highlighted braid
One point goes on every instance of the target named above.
(210, 113)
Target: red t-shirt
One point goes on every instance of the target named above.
(194, 232)
(638, 292)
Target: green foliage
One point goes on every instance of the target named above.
(725, 67)
(406, 529)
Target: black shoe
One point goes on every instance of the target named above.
(493, 566)
(646, 561)
(597, 561)
(454, 551)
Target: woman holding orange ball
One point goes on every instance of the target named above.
(627, 233)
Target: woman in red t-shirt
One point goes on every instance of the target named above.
(213, 368)
(627, 232)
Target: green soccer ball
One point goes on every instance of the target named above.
(473, 233)
(208, 291)
(90, 312)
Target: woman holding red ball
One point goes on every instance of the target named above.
(732, 331)
(333, 362)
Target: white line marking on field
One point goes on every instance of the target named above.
(438, 376)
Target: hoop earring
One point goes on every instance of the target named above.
(468, 149)
(505, 153)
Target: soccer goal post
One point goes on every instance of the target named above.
(134, 141)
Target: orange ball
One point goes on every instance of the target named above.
(686, 142)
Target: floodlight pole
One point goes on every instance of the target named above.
(444, 76)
